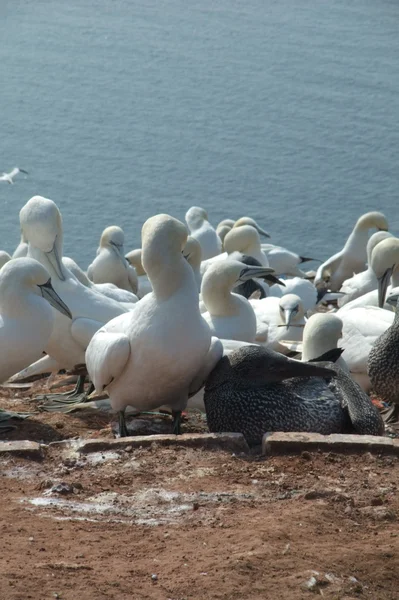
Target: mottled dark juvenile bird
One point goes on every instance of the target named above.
(255, 390)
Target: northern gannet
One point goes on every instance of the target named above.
(352, 258)
(9, 177)
(200, 229)
(157, 353)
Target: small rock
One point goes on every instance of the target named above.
(77, 486)
(195, 506)
(128, 449)
(154, 577)
(62, 488)
(306, 455)
(31, 539)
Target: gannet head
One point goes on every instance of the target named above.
(375, 239)
(162, 239)
(372, 220)
(195, 216)
(112, 237)
(323, 325)
(384, 260)
(221, 277)
(242, 239)
(248, 221)
(134, 258)
(192, 252)
(26, 275)
(226, 223)
(222, 231)
(291, 309)
(41, 223)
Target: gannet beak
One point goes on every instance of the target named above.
(262, 231)
(55, 261)
(393, 299)
(118, 249)
(288, 314)
(49, 293)
(383, 283)
(251, 272)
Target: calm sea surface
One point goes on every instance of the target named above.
(282, 110)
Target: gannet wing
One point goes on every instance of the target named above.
(331, 264)
(106, 357)
(14, 172)
(215, 353)
(83, 329)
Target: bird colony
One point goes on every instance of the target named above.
(216, 318)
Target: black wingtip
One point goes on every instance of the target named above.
(329, 356)
(303, 259)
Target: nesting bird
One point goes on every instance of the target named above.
(255, 390)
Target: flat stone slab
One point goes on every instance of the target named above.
(234, 442)
(294, 442)
(23, 448)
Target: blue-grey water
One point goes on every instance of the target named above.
(282, 110)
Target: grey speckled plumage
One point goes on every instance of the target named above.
(383, 363)
(255, 390)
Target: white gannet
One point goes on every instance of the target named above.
(4, 258)
(384, 263)
(202, 230)
(110, 290)
(41, 222)
(365, 281)
(245, 239)
(229, 315)
(26, 319)
(9, 177)
(22, 248)
(279, 319)
(144, 284)
(192, 252)
(152, 356)
(110, 264)
(362, 326)
(352, 258)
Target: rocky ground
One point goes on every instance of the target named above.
(187, 523)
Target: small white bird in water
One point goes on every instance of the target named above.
(8, 177)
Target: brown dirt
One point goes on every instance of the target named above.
(208, 525)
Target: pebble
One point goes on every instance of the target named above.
(154, 577)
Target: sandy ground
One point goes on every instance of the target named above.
(178, 523)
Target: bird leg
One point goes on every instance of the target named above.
(62, 402)
(123, 432)
(176, 415)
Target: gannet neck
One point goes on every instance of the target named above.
(321, 333)
(385, 256)
(371, 220)
(163, 241)
(357, 241)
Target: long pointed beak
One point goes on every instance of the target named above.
(252, 272)
(119, 250)
(383, 283)
(55, 261)
(262, 232)
(288, 314)
(49, 293)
